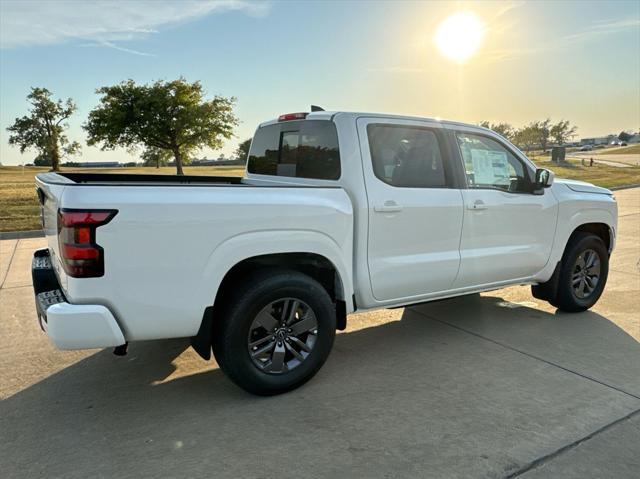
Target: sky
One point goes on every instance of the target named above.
(578, 61)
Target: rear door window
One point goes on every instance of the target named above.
(300, 149)
(407, 156)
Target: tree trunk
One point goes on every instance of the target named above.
(158, 163)
(55, 159)
(178, 157)
(55, 155)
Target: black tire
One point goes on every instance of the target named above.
(232, 328)
(567, 298)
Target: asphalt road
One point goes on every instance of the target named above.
(495, 385)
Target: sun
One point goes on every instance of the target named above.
(459, 36)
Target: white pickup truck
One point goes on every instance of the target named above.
(338, 212)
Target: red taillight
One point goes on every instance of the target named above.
(82, 234)
(85, 217)
(292, 116)
(81, 256)
(79, 252)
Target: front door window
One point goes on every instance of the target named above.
(490, 165)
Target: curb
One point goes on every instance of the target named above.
(624, 187)
(21, 234)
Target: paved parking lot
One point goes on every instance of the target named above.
(493, 385)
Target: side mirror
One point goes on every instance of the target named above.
(544, 179)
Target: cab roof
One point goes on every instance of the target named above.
(329, 115)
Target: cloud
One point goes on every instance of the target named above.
(507, 7)
(126, 50)
(597, 29)
(42, 22)
(498, 55)
(397, 69)
(602, 27)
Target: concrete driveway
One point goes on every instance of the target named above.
(493, 385)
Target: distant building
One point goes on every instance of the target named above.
(601, 140)
(203, 162)
(217, 162)
(635, 138)
(99, 164)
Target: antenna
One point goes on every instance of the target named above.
(316, 108)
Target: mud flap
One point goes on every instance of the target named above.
(201, 342)
(549, 290)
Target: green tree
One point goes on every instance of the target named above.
(242, 152)
(502, 129)
(155, 157)
(543, 132)
(526, 137)
(562, 131)
(534, 135)
(42, 160)
(171, 116)
(43, 129)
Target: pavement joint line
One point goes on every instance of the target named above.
(15, 247)
(619, 271)
(542, 460)
(533, 356)
(16, 287)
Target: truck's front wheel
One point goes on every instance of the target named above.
(275, 333)
(583, 273)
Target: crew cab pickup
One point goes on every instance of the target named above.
(337, 212)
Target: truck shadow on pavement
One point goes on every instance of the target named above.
(468, 387)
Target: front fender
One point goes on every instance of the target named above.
(569, 222)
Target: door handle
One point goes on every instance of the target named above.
(389, 206)
(477, 205)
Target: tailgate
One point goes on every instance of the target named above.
(50, 187)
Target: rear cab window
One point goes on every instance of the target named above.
(298, 149)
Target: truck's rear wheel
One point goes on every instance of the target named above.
(583, 273)
(275, 333)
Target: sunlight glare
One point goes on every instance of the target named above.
(459, 36)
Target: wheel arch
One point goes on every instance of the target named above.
(311, 253)
(601, 230)
(314, 265)
(593, 218)
(547, 288)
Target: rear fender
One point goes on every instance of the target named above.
(248, 245)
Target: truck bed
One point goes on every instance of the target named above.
(173, 239)
(127, 179)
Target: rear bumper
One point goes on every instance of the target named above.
(70, 326)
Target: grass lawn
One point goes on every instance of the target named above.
(19, 209)
(625, 150)
(598, 174)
